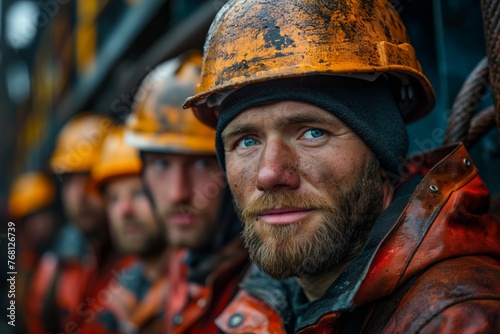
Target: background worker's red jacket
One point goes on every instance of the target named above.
(70, 284)
(27, 263)
(137, 305)
(193, 306)
(430, 265)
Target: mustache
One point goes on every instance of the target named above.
(84, 212)
(267, 201)
(182, 209)
(132, 223)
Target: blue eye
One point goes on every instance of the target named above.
(158, 164)
(247, 142)
(138, 192)
(313, 133)
(112, 198)
(201, 164)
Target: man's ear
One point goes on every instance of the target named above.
(387, 188)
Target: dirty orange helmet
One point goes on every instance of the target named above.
(158, 122)
(115, 159)
(79, 143)
(256, 41)
(30, 193)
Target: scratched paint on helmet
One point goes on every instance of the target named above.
(261, 40)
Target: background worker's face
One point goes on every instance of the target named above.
(83, 206)
(132, 224)
(187, 192)
(306, 187)
(39, 228)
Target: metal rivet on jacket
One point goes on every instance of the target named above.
(178, 319)
(235, 320)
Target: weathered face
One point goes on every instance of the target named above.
(306, 187)
(187, 192)
(83, 206)
(132, 224)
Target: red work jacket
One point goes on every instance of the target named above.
(136, 304)
(192, 308)
(70, 285)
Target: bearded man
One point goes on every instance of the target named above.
(310, 100)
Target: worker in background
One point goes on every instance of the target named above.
(310, 100)
(32, 209)
(189, 194)
(71, 280)
(138, 295)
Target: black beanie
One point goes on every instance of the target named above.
(368, 108)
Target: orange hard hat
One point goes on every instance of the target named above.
(115, 159)
(30, 193)
(158, 122)
(79, 143)
(254, 41)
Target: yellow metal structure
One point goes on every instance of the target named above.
(256, 41)
(158, 122)
(86, 34)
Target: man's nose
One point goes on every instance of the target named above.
(126, 207)
(277, 168)
(179, 188)
(81, 188)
